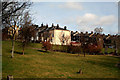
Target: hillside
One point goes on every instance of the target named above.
(39, 64)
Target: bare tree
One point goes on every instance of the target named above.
(47, 36)
(11, 16)
(83, 43)
(27, 31)
(64, 38)
(14, 21)
(13, 8)
(98, 30)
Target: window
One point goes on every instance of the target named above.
(52, 35)
(63, 35)
(63, 41)
(51, 40)
(37, 37)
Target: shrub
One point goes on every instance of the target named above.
(61, 48)
(67, 48)
(46, 45)
(64, 48)
(74, 49)
(94, 49)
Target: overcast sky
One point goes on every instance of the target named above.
(77, 16)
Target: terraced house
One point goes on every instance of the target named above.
(55, 34)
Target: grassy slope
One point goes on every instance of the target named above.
(37, 64)
(0, 59)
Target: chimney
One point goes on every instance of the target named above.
(52, 25)
(97, 33)
(71, 32)
(91, 32)
(42, 25)
(57, 26)
(76, 32)
(86, 32)
(46, 25)
(65, 27)
(81, 33)
(109, 35)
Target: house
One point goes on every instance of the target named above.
(36, 29)
(54, 34)
(8, 32)
(40, 30)
(81, 37)
(11, 30)
(110, 41)
(87, 38)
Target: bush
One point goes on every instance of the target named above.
(91, 49)
(61, 48)
(46, 45)
(74, 49)
(67, 48)
(94, 49)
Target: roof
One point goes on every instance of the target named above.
(51, 28)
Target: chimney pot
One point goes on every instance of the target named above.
(65, 27)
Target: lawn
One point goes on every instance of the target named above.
(39, 64)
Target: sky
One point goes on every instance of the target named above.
(77, 16)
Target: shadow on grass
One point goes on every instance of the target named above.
(16, 52)
(43, 51)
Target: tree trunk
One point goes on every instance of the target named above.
(13, 43)
(84, 54)
(23, 50)
(46, 50)
(105, 49)
(78, 54)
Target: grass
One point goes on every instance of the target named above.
(39, 64)
(109, 50)
(0, 60)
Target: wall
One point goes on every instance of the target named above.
(57, 39)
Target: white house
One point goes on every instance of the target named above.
(55, 34)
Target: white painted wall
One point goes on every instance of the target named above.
(58, 34)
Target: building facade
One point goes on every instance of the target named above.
(54, 34)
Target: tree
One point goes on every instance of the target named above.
(117, 44)
(13, 22)
(11, 16)
(13, 8)
(98, 30)
(94, 48)
(83, 43)
(47, 36)
(46, 45)
(64, 39)
(27, 31)
(99, 40)
(74, 49)
(5, 35)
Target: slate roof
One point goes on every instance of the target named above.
(46, 28)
